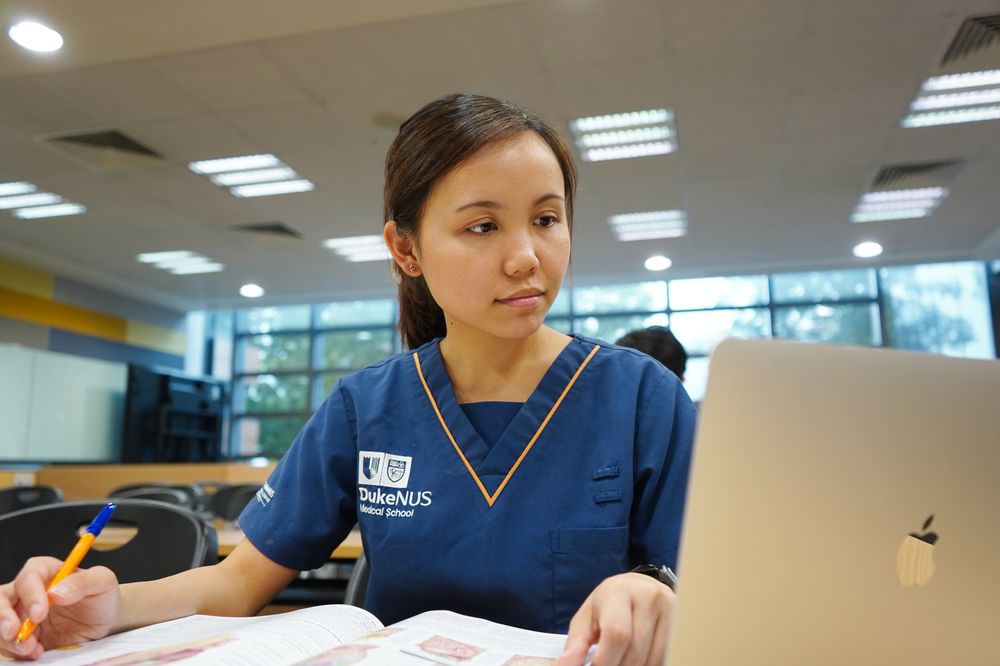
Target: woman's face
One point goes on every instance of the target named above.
(494, 240)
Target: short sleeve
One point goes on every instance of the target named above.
(664, 442)
(307, 506)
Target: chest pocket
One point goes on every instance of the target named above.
(582, 557)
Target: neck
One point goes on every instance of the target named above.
(485, 368)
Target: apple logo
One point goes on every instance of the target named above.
(915, 559)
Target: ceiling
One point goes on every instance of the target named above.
(786, 110)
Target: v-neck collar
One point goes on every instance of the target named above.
(492, 467)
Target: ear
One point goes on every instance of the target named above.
(402, 249)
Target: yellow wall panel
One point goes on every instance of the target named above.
(18, 305)
(155, 337)
(26, 279)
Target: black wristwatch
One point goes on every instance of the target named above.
(662, 573)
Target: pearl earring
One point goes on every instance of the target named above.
(411, 267)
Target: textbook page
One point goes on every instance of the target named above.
(269, 640)
(443, 637)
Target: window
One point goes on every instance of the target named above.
(718, 292)
(642, 297)
(941, 308)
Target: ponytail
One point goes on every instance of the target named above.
(421, 319)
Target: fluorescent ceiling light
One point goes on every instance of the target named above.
(354, 241)
(620, 137)
(959, 99)
(988, 77)
(359, 248)
(37, 199)
(623, 135)
(235, 163)
(867, 250)
(251, 291)
(648, 225)
(58, 210)
(255, 176)
(181, 262)
(616, 120)
(159, 257)
(36, 37)
(882, 216)
(953, 117)
(193, 269)
(623, 152)
(872, 207)
(905, 195)
(269, 189)
(19, 187)
(658, 263)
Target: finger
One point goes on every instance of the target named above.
(83, 583)
(661, 639)
(9, 621)
(614, 626)
(581, 635)
(645, 616)
(30, 584)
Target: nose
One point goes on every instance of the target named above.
(520, 258)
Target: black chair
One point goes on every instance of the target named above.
(357, 584)
(25, 497)
(169, 539)
(228, 502)
(181, 494)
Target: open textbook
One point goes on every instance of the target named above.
(333, 635)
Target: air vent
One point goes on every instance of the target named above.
(918, 174)
(278, 229)
(110, 139)
(975, 34)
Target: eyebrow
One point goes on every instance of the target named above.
(496, 205)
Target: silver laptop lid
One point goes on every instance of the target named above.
(813, 466)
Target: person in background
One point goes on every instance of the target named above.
(499, 468)
(660, 343)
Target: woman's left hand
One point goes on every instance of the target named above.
(628, 617)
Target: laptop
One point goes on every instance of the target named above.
(844, 508)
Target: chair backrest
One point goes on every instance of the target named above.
(192, 495)
(168, 495)
(170, 539)
(24, 497)
(357, 584)
(228, 502)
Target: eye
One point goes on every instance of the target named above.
(546, 221)
(483, 227)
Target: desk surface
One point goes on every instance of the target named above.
(229, 537)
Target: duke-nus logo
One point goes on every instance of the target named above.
(376, 468)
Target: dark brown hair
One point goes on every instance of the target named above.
(431, 143)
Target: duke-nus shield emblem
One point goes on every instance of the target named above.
(370, 466)
(395, 469)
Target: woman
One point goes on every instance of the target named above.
(499, 469)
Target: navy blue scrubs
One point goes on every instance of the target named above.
(586, 480)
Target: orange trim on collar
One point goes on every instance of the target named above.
(490, 499)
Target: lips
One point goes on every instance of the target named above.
(526, 298)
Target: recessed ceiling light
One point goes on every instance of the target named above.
(19, 187)
(985, 77)
(359, 248)
(970, 100)
(251, 290)
(652, 224)
(623, 135)
(253, 176)
(36, 199)
(242, 163)
(36, 37)
(181, 262)
(658, 263)
(867, 250)
(269, 189)
(58, 210)
(908, 204)
(159, 257)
